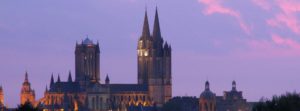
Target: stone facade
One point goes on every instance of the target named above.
(87, 93)
(27, 94)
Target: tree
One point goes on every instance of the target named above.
(27, 106)
(182, 104)
(287, 102)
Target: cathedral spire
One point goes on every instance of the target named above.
(146, 30)
(58, 78)
(156, 29)
(52, 80)
(70, 77)
(107, 79)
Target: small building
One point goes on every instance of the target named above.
(27, 94)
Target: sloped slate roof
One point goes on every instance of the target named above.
(65, 87)
(115, 88)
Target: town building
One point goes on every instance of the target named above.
(27, 94)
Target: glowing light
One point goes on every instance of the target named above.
(75, 106)
(146, 53)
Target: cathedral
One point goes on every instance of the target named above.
(151, 92)
(87, 93)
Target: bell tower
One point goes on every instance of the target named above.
(145, 54)
(154, 63)
(27, 94)
(87, 62)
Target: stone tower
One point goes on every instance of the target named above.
(154, 62)
(1, 96)
(87, 62)
(207, 100)
(27, 94)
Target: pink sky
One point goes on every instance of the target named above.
(255, 42)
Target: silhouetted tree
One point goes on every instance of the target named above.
(27, 106)
(287, 102)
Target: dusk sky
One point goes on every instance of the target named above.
(255, 42)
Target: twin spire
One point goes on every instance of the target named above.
(156, 29)
(146, 30)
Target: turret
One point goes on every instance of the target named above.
(58, 79)
(107, 81)
(207, 86)
(70, 77)
(167, 50)
(46, 90)
(26, 78)
(234, 86)
(52, 81)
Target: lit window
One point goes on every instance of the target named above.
(146, 53)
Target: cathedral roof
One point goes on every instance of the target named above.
(116, 88)
(65, 87)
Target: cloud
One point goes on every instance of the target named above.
(277, 46)
(285, 42)
(264, 4)
(287, 16)
(215, 6)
